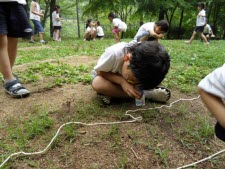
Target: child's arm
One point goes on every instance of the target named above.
(33, 6)
(215, 105)
(155, 35)
(128, 88)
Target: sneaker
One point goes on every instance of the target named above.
(158, 94)
(207, 43)
(31, 41)
(16, 89)
(187, 42)
(106, 99)
(43, 41)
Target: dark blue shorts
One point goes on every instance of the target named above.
(199, 29)
(220, 131)
(38, 28)
(13, 20)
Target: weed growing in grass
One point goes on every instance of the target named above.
(61, 73)
(162, 154)
(122, 162)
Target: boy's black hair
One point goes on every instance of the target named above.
(113, 15)
(164, 25)
(88, 22)
(56, 7)
(201, 5)
(149, 62)
(98, 23)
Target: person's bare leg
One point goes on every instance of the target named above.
(32, 38)
(107, 88)
(5, 66)
(192, 38)
(203, 37)
(12, 50)
(215, 105)
(41, 36)
(94, 35)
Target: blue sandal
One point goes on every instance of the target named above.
(16, 89)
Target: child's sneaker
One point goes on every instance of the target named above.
(187, 42)
(105, 99)
(43, 41)
(158, 94)
(16, 89)
(31, 41)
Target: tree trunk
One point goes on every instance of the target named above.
(47, 3)
(161, 13)
(52, 5)
(180, 24)
(78, 21)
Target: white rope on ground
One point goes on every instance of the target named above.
(135, 119)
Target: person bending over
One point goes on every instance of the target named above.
(123, 71)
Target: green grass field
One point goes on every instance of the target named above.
(58, 76)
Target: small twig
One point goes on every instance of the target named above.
(135, 154)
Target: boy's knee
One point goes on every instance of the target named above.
(96, 84)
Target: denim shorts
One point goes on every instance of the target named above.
(13, 20)
(37, 27)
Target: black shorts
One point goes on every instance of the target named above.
(13, 20)
(220, 131)
(99, 37)
(57, 27)
(199, 29)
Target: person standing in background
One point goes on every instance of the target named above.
(35, 16)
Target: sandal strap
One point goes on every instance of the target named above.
(14, 86)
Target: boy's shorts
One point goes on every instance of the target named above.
(214, 83)
(13, 20)
(37, 27)
(199, 29)
(220, 131)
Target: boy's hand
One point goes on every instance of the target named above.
(130, 90)
(160, 35)
(41, 14)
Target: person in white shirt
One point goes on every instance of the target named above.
(212, 92)
(100, 32)
(118, 26)
(56, 22)
(200, 23)
(90, 32)
(122, 71)
(13, 25)
(151, 31)
(208, 32)
(35, 16)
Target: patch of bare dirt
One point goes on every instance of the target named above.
(137, 145)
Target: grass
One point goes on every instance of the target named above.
(182, 125)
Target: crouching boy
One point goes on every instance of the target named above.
(124, 71)
(212, 92)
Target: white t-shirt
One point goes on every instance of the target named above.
(112, 59)
(201, 18)
(37, 9)
(207, 29)
(214, 82)
(19, 1)
(144, 30)
(100, 31)
(90, 29)
(120, 24)
(55, 16)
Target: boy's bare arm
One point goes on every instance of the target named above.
(128, 88)
(155, 35)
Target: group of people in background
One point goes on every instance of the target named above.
(35, 15)
(123, 70)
